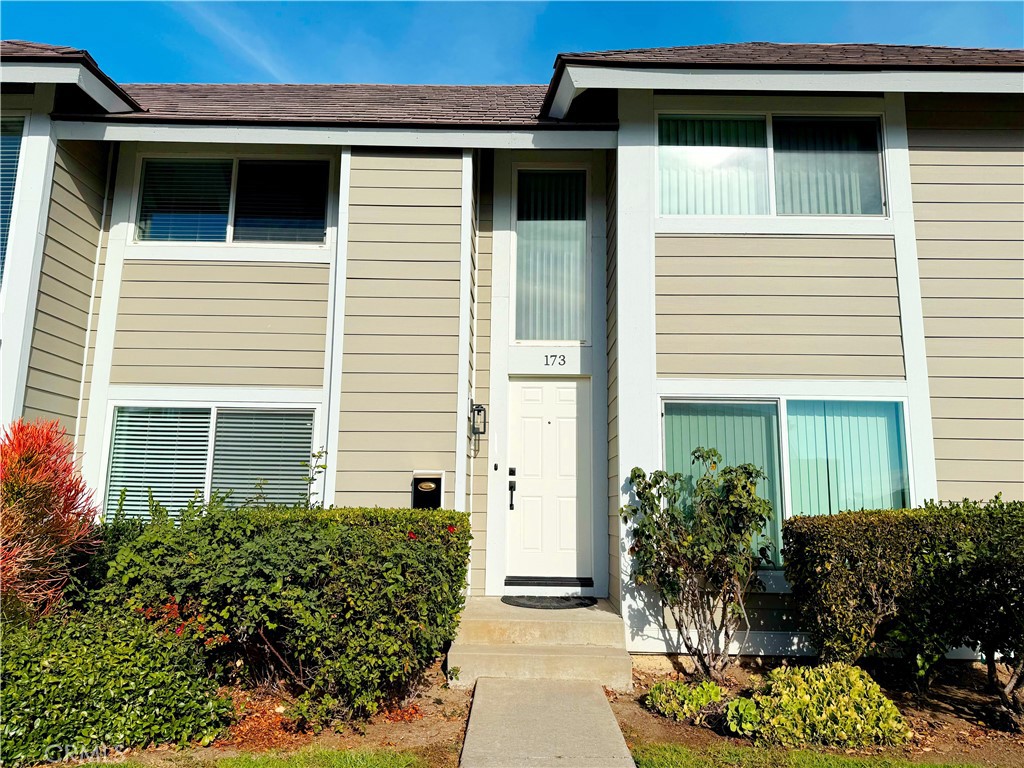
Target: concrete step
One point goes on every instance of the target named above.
(610, 667)
(489, 621)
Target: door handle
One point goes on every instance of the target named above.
(511, 494)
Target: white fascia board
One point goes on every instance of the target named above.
(325, 136)
(564, 95)
(66, 73)
(892, 81)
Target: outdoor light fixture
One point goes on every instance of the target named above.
(479, 416)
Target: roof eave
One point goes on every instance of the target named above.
(91, 79)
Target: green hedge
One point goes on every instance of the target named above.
(914, 582)
(347, 606)
(75, 685)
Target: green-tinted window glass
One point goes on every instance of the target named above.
(846, 456)
(744, 433)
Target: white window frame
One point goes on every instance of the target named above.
(514, 256)
(772, 222)
(781, 403)
(180, 397)
(136, 248)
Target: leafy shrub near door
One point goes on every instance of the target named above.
(99, 680)
(834, 705)
(698, 553)
(345, 606)
(915, 582)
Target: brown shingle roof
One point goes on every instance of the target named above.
(496, 106)
(801, 55)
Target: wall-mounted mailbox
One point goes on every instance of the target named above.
(427, 490)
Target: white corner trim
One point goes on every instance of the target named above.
(639, 420)
(826, 81)
(336, 331)
(67, 73)
(497, 439)
(462, 463)
(97, 424)
(25, 239)
(526, 138)
(908, 281)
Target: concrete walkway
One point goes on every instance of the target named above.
(542, 724)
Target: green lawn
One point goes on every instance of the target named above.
(675, 756)
(307, 758)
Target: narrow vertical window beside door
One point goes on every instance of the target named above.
(551, 257)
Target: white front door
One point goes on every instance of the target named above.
(551, 516)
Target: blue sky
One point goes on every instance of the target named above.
(453, 42)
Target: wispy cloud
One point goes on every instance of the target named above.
(233, 31)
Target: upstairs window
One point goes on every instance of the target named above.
(269, 201)
(11, 129)
(721, 166)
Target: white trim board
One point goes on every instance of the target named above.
(25, 239)
(66, 72)
(462, 464)
(312, 135)
(334, 364)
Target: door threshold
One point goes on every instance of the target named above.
(579, 582)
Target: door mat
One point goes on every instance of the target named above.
(550, 603)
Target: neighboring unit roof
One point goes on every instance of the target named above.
(485, 106)
(802, 55)
(25, 51)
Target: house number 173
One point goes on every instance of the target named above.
(550, 360)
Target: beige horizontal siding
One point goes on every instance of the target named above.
(400, 361)
(741, 306)
(221, 323)
(612, 347)
(967, 170)
(74, 221)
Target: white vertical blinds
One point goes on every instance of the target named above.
(259, 454)
(11, 129)
(163, 450)
(713, 166)
(744, 433)
(846, 456)
(281, 201)
(827, 166)
(552, 294)
(185, 200)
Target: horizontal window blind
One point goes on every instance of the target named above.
(744, 433)
(551, 256)
(185, 200)
(281, 201)
(259, 455)
(846, 456)
(11, 129)
(827, 166)
(713, 166)
(163, 450)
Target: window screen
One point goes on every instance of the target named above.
(713, 166)
(11, 129)
(551, 256)
(259, 455)
(827, 166)
(744, 433)
(163, 450)
(281, 201)
(846, 456)
(185, 200)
